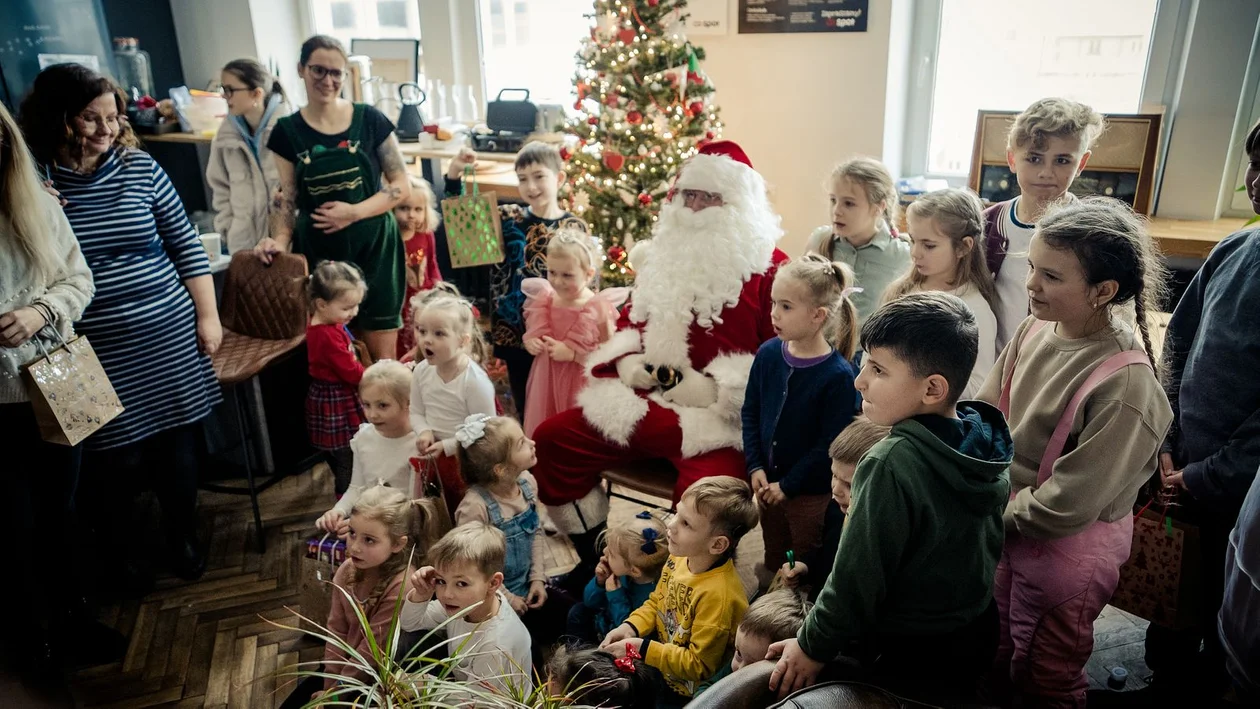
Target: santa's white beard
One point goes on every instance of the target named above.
(698, 265)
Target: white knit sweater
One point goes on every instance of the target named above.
(64, 295)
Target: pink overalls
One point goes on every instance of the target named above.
(1049, 592)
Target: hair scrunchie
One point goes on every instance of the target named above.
(472, 429)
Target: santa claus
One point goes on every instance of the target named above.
(670, 382)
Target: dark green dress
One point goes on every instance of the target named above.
(346, 172)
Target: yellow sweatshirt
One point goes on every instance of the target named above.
(694, 617)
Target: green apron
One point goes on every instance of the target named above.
(345, 174)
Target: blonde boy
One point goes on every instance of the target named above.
(689, 622)
(467, 576)
(1047, 148)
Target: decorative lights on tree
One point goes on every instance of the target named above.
(643, 107)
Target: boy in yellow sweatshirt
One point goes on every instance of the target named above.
(686, 629)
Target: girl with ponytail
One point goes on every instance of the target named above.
(242, 171)
(800, 396)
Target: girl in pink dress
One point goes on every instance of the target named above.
(564, 321)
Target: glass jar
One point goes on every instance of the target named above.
(135, 70)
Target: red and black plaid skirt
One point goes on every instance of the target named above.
(333, 414)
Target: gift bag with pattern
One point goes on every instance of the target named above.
(474, 234)
(1159, 582)
(69, 391)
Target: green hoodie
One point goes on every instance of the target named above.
(923, 534)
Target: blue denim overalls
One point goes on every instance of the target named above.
(520, 531)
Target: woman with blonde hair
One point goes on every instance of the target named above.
(44, 286)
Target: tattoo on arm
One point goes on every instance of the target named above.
(392, 168)
(282, 214)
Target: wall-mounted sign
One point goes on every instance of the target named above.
(779, 16)
(706, 17)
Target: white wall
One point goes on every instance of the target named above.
(279, 30)
(211, 34)
(799, 104)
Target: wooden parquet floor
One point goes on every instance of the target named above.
(208, 643)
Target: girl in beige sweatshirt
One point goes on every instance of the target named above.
(1070, 519)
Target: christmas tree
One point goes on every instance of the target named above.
(643, 108)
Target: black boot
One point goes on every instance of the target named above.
(83, 640)
(187, 559)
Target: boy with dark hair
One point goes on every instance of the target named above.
(912, 584)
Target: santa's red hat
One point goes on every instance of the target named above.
(723, 167)
(729, 148)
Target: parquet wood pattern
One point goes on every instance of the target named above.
(209, 643)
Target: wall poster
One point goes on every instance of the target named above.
(780, 16)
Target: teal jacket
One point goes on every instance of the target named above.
(923, 534)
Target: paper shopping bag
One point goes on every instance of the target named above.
(1160, 581)
(69, 391)
(474, 235)
(321, 558)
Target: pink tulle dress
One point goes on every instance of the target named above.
(553, 386)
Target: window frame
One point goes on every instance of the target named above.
(1158, 88)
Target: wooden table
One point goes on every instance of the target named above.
(176, 137)
(1189, 238)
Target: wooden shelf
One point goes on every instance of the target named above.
(175, 137)
(1190, 238)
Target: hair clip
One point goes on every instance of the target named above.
(626, 664)
(644, 515)
(850, 291)
(472, 429)
(649, 540)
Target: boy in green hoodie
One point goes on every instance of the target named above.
(910, 596)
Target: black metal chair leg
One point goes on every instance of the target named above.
(248, 454)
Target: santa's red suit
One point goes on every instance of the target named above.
(670, 382)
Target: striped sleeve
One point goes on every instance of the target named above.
(176, 232)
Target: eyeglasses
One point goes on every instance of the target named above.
(319, 72)
(702, 199)
(227, 91)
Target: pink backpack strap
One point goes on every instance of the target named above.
(1113, 364)
(1004, 403)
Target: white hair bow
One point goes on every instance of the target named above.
(472, 429)
(850, 291)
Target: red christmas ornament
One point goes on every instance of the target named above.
(708, 135)
(614, 161)
(616, 253)
(645, 199)
(634, 118)
(653, 3)
(593, 120)
(696, 108)
(612, 100)
(565, 154)
(626, 36)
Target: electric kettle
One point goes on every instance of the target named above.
(410, 122)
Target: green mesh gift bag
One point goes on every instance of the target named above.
(474, 235)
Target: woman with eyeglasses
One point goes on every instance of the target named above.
(341, 175)
(153, 321)
(242, 170)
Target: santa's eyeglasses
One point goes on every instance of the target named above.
(699, 199)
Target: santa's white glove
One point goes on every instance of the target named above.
(635, 373)
(693, 389)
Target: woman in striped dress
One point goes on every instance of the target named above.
(153, 320)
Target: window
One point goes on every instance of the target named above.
(999, 55)
(531, 44)
(366, 19)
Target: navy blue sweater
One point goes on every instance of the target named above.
(1213, 351)
(792, 414)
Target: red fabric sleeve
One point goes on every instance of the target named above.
(331, 355)
(431, 273)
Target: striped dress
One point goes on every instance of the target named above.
(140, 246)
